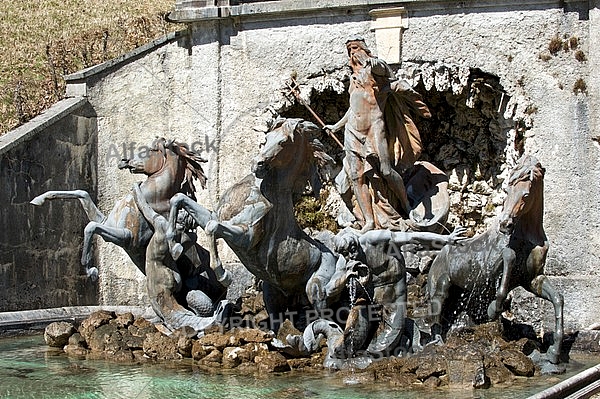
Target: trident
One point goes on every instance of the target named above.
(294, 90)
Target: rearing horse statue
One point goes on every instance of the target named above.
(511, 253)
(256, 219)
(170, 169)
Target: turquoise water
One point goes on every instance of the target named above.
(29, 369)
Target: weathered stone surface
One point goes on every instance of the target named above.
(184, 337)
(213, 359)
(160, 347)
(518, 363)
(184, 346)
(233, 357)
(300, 363)
(133, 342)
(287, 328)
(219, 341)
(200, 350)
(102, 338)
(432, 382)
(403, 380)
(41, 248)
(123, 320)
(431, 366)
(499, 374)
(77, 340)
(358, 376)
(253, 335)
(462, 373)
(76, 351)
(57, 334)
(524, 345)
(270, 362)
(141, 327)
(94, 321)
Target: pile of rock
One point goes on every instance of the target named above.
(472, 357)
(105, 335)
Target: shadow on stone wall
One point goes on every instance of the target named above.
(40, 247)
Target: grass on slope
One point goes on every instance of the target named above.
(42, 40)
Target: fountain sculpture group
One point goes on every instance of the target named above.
(355, 280)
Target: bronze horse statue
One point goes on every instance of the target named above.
(170, 169)
(256, 219)
(511, 253)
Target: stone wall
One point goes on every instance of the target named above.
(40, 247)
(561, 128)
(217, 84)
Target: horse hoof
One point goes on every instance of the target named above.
(552, 355)
(492, 311)
(211, 227)
(223, 311)
(176, 250)
(225, 279)
(92, 273)
(37, 201)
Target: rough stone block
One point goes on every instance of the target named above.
(57, 334)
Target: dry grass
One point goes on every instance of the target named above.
(42, 40)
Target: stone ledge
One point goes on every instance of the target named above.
(268, 9)
(192, 11)
(40, 318)
(79, 76)
(38, 124)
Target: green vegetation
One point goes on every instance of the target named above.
(580, 86)
(42, 40)
(309, 214)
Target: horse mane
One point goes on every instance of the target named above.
(317, 160)
(193, 167)
(528, 168)
(319, 165)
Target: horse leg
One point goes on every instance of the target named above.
(275, 305)
(223, 276)
(436, 303)
(543, 288)
(121, 237)
(91, 210)
(508, 260)
(240, 236)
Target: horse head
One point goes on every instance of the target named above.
(524, 194)
(169, 158)
(290, 154)
(149, 161)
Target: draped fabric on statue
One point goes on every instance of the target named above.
(404, 140)
(401, 106)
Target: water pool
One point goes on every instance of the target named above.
(29, 369)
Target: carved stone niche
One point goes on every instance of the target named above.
(388, 24)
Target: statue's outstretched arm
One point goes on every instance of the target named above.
(425, 239)
(340, 124)
(428, 240)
